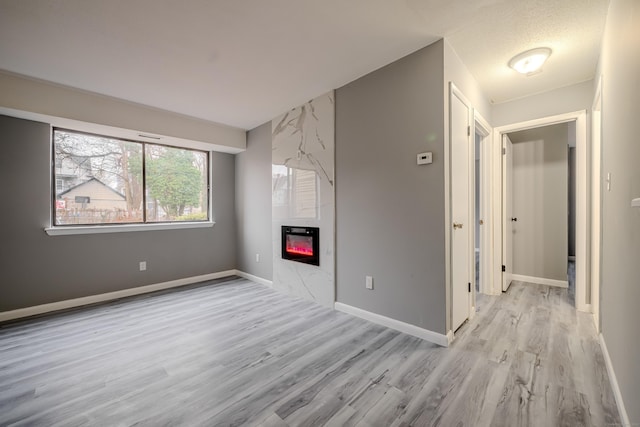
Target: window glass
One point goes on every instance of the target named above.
(102, 180)
(176, 184)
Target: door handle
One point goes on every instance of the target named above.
(456, 225)
(514, 219)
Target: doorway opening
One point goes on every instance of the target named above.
(576, 121)
(540, 200)
(481, 200)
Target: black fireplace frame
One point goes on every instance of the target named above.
(313, 232)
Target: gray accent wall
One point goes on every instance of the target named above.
(540, 202)
(253, 204)
(620, 285)
(36, 268)
(390, 217)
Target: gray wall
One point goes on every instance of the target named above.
(36, 96)
(253, 204)
(390, 212)
(558, 101)
(540, 194)
(36, 268)
(620, 289)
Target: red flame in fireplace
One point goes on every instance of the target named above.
(300, 250)
(299, 245)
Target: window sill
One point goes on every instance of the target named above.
(99, 229)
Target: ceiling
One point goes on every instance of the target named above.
(243, 62)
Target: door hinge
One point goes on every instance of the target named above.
(504, 151)
(468, 130)
(469, 287)
(504, 268)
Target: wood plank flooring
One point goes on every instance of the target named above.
(231, 352)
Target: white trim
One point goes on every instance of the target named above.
(507, 238)
(545, 121)
(596, 204)
(407, 328)
(495, 164)
(98, 229)
(482, 127)
(447, 209)
(540, 280)
(109, 296)
(624, 417)
(582, 208)
(226, 133)
(253, 278)
(470, 217)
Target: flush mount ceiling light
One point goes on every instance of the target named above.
(530, 61)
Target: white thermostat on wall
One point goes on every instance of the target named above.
(425, 158)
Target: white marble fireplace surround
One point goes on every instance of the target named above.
(303, 146)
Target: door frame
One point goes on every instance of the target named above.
(582, 201)
(596, 204)
(482, 127)
(455, 92)
(507, 211)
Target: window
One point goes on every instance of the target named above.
(101, 180)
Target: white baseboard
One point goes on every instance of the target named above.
(407, 328)
(449, 338)
(540, 280)
(624, 417)
(109, 296)
(253, 278)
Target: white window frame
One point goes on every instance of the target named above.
(53, 230)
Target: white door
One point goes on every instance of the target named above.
(508, 220)
(461, 217)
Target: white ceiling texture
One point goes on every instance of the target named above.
(243, 62)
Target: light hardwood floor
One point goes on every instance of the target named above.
(236, 353)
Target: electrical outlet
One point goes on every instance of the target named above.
(368, 282)
(143, 265)
(257, 257)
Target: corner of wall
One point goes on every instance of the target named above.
(457, 72)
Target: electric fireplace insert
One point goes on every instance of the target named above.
(301, 244)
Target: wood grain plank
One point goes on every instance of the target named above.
(231, 352)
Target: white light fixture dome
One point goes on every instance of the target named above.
(530, 61)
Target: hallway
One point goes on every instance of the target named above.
(540, 358)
